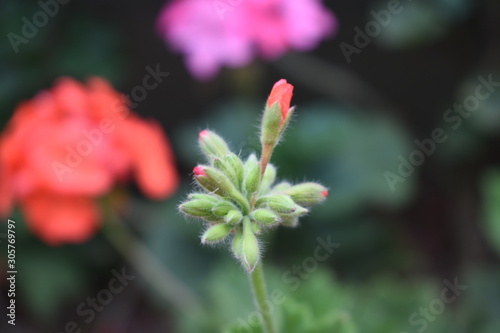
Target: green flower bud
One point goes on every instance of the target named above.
(265, 216)
(281, 187)
(215, 181)
(271, 125)
(231, 166)
(252, 176)
(237, 165)
(233, 217)
(281, 203)
(212, 145)
(216, 233)
(204, 196)
(222, 208)
(197, 207)
(250, 247)
(268, 178)
(237, 246)
(307, 194)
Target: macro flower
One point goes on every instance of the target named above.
(216, 33)
(72, 144)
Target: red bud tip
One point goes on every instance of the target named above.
(199, 171)
(282, 92)
(203, 134)
(324, 193)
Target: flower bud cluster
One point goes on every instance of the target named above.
(238, 199)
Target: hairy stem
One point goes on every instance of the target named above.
(261, 299)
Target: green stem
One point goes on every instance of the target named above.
(260, 295)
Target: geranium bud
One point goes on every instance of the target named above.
(206, 182)
(221, 164)
(267, 179)
(250, 247)
(252, 176)
(307, 194)
(280, 203)
(277, 113)
(265, 216)
(216, 233)
(233, 217)
(281, 187)
(217, 179)
(237, 246)
(197, 207)
(212, 145)
(237, 165)
(222, 208)
(204, 197)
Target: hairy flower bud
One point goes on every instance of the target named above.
(216, 233)
(222, 208)
(197, 207)
(237, 165)
(277, 113)
(212, 145)
(252, 176)
(307, 194)
(233, 217)
(265, 216)
(250, 247)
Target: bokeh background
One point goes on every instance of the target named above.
(396, 246)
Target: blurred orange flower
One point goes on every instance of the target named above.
(71, 144)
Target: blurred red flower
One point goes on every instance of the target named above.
(71, 144)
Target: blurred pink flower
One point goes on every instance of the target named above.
(214, 33)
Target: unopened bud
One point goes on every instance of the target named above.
(252, 176)
(250, 247)
(237, 246)
(233, 217)
(222, 208)
(206, 182)
(265, 216)
(281, 187)
(237, 165)
(197, 207)
(280, 203)
(307, 194)
(216, 233)
(212, 145)
(277, 113)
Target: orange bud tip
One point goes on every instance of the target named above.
(199, 171)
(203, 134)
(324, 193)
(282, 92)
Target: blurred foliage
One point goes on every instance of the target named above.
(490, 189)
(422, 22)
(322, 303)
